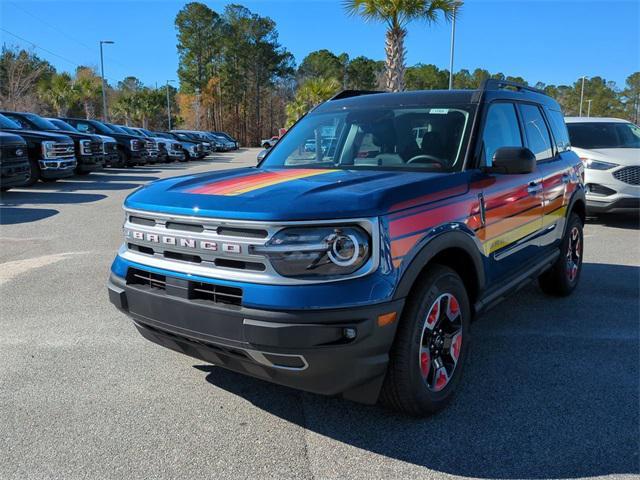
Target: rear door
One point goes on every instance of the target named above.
(512, 203)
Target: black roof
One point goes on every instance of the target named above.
(490, 90)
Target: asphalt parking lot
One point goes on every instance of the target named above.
(551, 390)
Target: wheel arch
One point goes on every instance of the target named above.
(454, 249)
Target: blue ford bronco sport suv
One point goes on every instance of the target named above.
(355, 269)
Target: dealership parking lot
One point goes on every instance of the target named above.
(551, 389)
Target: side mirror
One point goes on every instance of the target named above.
(513, 161)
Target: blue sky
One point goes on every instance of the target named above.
(550, 41)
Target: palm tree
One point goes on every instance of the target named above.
(397, 14)
(89, 88)
(311, 93)
(59, 92)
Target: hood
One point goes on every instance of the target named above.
(76, 135)
(7, 138)
(106, 138)
(38, 135)
(288, 194)
(621, 156)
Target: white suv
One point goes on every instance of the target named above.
(610, 151)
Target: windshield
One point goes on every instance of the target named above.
(7, 123)
(62, 125)
(40, 122)
(117, 129)
(592, 135)
(425, 138)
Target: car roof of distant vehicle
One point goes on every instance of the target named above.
(595, 120)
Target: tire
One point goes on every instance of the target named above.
(122, 160)
(563, 277)
(187, 157)
(436, 315)
(34, 175)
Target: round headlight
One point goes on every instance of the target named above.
(311, 252)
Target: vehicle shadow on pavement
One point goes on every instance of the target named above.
(17, 197)
(629, 221)
(103, 177)
(550, 390)
(14, 216)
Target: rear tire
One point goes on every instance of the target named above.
(428, 354)
(562, 278)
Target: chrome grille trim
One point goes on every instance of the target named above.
(207, 267)
(61, 150)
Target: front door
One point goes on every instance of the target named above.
(513, 204)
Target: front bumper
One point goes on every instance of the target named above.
(15, 174)
(111, 158)
(91, 163)
(305, 349)
(176, 156)
(607, 194)
(59, 168)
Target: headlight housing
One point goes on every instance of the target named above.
(47, 149)
(135, 145)
(85, 147)
(312, 252)
(592, 164)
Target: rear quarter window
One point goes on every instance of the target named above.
(559, 129)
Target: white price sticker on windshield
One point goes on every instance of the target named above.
(439, 111)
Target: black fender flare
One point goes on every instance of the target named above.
(435, 245)
(578, 196)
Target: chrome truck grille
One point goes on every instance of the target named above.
(109, 147)
(151, 146)
(216, 248)
(61, 150)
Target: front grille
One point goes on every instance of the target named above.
(61, 150)
(9, 153)
(109, 147)
(96, 148)
(208, 292)
(630, 175)
(151, 146)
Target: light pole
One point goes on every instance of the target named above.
(589, 108)
(453, 40)
(168, 104)
(105, 114)
(582, 95)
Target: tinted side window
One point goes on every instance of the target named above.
(84, 127)
(538, 139)
(559, 129)
(500, 130)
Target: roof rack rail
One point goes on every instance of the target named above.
(353, 93)
(496, 84)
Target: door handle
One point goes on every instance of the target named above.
(534, 188)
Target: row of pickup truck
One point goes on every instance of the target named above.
(35, 148)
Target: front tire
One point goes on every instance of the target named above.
(430, 348)
(34, 174)
(562, 278)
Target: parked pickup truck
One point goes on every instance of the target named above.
(171, 150)
(88, 148)
(152, 151)
(14, 162)
(109, 144)
(51, 156)
(356, 270)
(131, 149)
(193, 149)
